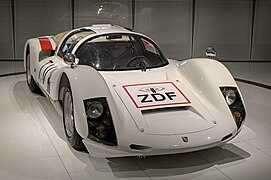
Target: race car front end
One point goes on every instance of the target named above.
(133, 140)
(162, 117)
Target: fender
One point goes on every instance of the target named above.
(205, 76)
(31, 45)
(80, 78)
(39, 48)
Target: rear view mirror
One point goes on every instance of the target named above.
(70, 59)
(210, 52)
(114, 36)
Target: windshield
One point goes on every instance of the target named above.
(120, 52)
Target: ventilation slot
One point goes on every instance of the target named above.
(164, 110)
(226, 137)
(139, 147)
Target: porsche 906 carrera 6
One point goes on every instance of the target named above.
(120, 96)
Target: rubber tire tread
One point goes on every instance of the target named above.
(75, 140)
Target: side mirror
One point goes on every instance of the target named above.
(70, 59)
(210, 52)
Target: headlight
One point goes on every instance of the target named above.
(94, 109)
(100, 123)
(234, 101)
(230, 96)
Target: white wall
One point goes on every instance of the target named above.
(182, 28)
(6, 37)
(39, 17)
(226, 25)
(88, 12)
(262, 31)
(169, 23)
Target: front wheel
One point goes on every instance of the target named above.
(73, 137)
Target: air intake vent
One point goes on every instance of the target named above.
(139, 147)
(163, 110)
(226, 137)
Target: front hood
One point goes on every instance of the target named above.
(159, 102)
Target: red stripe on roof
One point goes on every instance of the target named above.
(45, 44)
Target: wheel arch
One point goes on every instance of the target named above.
(63, 82)
(85, 83)
(26, 52)
(32, 47)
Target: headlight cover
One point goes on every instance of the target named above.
(230, 96)
(234, 101)
(100, 124)
(94, 109)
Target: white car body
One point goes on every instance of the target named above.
(190, 113)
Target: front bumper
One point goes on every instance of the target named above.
(159, 145)
(100, 151)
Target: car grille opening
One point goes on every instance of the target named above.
(226, 137)
(139, 147)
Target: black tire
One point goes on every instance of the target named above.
(72, 135)
(29, 78)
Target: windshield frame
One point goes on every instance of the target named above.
(66, 37)
(163, 58)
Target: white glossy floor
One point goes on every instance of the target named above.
(33, 146)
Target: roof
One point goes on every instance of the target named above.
(96, 29)
(106, 28)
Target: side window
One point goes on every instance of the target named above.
(66, 46)
(71, 40)
(149, 46)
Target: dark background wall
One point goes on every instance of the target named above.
(238, 29)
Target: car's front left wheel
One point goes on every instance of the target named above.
(72, 135)
(29, 78)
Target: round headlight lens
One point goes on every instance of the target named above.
(230, 96)
(95, 109)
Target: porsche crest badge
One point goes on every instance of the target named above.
(185, 139)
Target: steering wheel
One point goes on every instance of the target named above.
(142, 58)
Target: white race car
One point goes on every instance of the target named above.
(120, 96)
